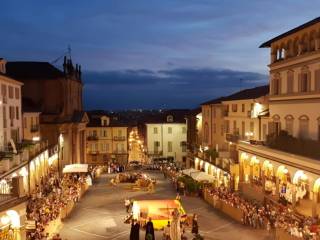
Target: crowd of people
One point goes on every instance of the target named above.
(268, 215)
(49, 197)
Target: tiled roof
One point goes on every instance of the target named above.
(250, 93)
(179, 116)
(95, 120)
(32, 70)
(292, 31)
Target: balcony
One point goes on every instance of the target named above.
(118, 151)
(34, 128)
(92, 138)
(234, 138)
(119, 138)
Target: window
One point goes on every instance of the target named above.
(227, 126)
(234, 127)
(105, 122)
(214, 128)
(119, 132)
(156, 146)
(169, 146)
(94, 133)
(276, 86)
(222, 129)
(10, 92)
(17, 113)
(264, 131)
(25, 122)
(243, 129)
(304, 82)
(234, 107)
(17, 93)
(183, 146)
(243, 108)
(11, 112)
(4, 92)
(107, 147)
(4, 109)
(184, 130)
(169, 118)
(317, 80)
(169, 130)
(155, 130)
(103, 147)
(206, 133)
(252, 127)
(290, 82)
(289, 124)
(105, 133)
(94, 147)
(304, 127)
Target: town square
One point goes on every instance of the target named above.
(167, 120)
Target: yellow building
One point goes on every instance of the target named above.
(107, 140)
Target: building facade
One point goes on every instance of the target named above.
(167, 139)
(107, 140)
(11, 124)
(58, 95)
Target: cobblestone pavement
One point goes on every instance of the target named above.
(100, 214)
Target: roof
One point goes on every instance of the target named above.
(292, 31)
(179, 116)
(32, 70)
(251, 93)
(213, 101)
(95, 120)
(29, 106)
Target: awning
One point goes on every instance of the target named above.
(189, 171)
(202, 176)
(75, 168)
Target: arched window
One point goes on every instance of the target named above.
(289, 124)
(275, 126)
(169, 118)
(304, 127)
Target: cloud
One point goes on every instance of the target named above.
(181, 87)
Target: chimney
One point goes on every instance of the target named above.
(3, 63)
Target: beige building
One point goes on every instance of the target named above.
(290, 167)
(10, 114)
(166, 137)
(107, 140)
(30, 121)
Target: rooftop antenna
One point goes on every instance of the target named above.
(62, 56)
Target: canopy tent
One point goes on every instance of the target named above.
(202, 176)
(75, 168)
(189, 171)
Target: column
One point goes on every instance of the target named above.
(314, 203)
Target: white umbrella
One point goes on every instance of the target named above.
(202, 176)
(189, 171)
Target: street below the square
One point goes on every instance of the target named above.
(101, 212)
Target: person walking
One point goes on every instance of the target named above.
(195, 227)
(135, 230)
(149, 230)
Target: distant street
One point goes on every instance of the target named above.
(100, 213)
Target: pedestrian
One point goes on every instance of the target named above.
(195, 227)
(135, 230)
(127, 204)
(166, 232)
(149, 230)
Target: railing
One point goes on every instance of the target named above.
(34, 128)
(119, 138)
(92, 138)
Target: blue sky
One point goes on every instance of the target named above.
(152, 54)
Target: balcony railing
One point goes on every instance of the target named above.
(34, 128)
(232, 137)
(92, 138)
(119, 138)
